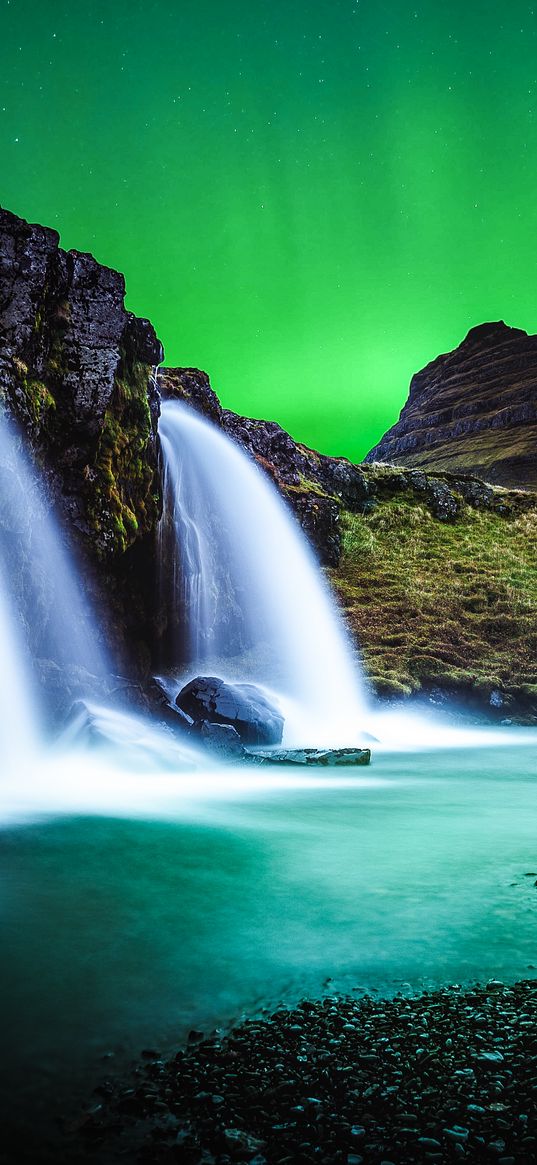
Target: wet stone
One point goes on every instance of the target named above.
(341, 1080)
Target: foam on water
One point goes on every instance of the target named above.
(125, 767)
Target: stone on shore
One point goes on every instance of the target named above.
(340, 1081)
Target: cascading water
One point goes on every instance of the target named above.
(241, 585)
(19, 717)
(43, 613)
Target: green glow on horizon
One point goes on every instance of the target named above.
(308, 200)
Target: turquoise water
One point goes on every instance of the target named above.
(119, 933)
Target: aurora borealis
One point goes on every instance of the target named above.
(308, 200)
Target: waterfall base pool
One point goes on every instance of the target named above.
(120, 934)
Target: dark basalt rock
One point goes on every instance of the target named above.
(192, 386)
(76, 375)
(160, 706)
(75, 372)
(223, 740)
(63, 686)
(473, 410)
(245, 707)
(315, 756)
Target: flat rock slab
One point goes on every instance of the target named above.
(314, 756)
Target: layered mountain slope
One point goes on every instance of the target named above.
(473, 410)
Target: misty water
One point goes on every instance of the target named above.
(134, 913)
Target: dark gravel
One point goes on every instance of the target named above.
(449, 1076)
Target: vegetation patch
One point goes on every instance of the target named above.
(449, 604)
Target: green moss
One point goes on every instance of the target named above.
(435, 603)
(122, 500)
(306, 486)
(35, 398)
(39, 399)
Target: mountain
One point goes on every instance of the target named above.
(473, 410)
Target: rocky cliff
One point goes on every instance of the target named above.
(76, 375)
(473, 410)
(75, 372)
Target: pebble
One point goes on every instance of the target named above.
(398, 1076)
(457, 1133)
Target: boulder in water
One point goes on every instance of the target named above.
(314, 756)
(160, 705)
(244, 706)
(222, 739)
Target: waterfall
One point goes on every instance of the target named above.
(242, 592)
(20, 720)
(43, 614)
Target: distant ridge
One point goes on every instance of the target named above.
(473, 410)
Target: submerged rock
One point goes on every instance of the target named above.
(83, 726)
(245, 707)
(315, 756)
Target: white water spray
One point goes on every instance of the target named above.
(20, 721)
(239, 570)
(43, 612)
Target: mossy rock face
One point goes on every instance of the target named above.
(192, 386)
(76, 373)
(123, 490)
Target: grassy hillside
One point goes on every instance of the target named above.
(450, 604)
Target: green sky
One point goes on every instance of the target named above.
(309, 199)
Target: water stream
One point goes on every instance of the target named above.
(46, 620)
(243, 587)
(137, 906)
